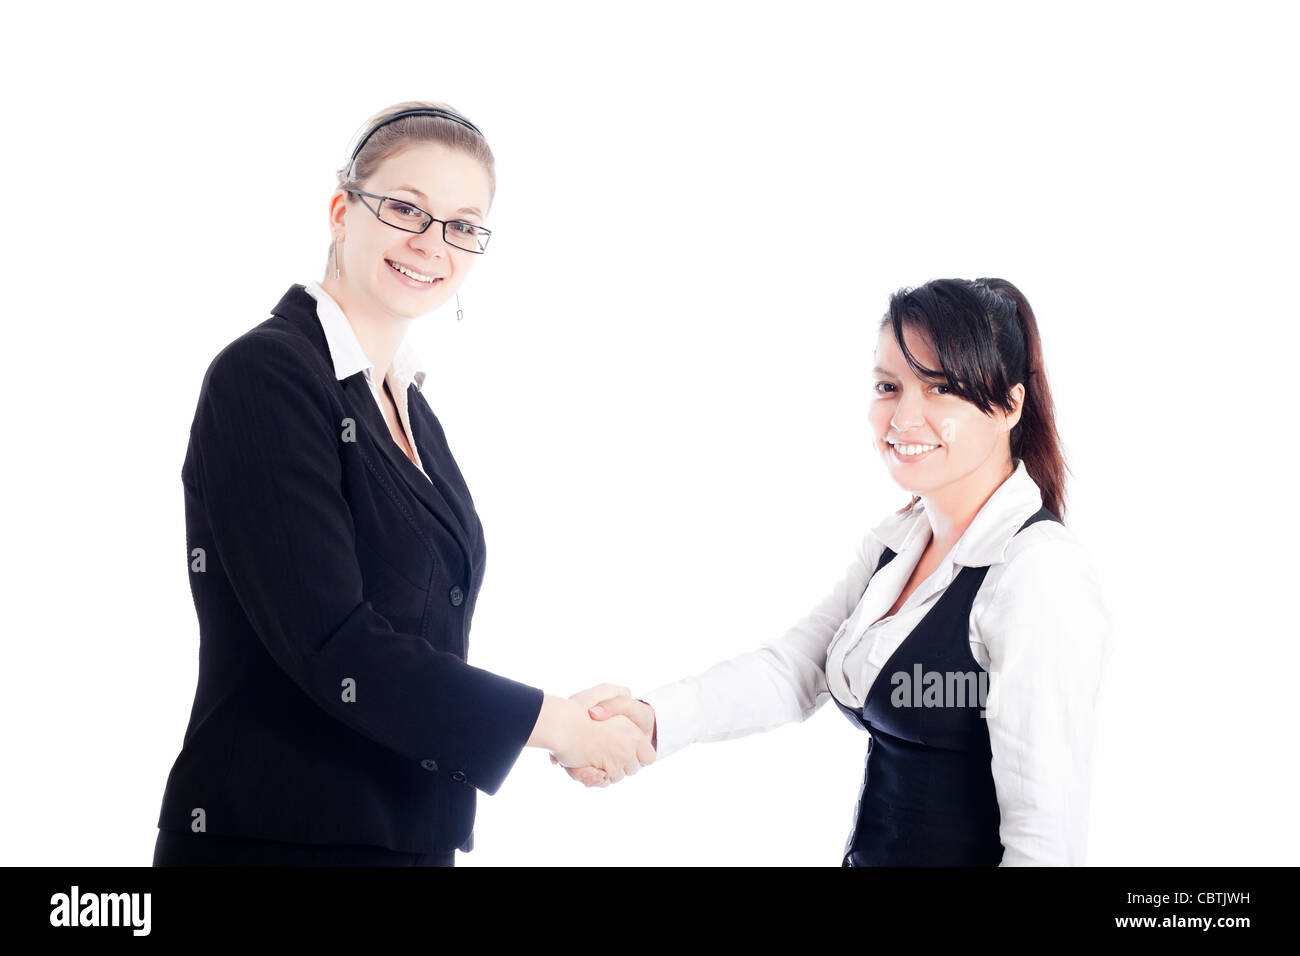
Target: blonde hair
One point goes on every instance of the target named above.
(398, 135)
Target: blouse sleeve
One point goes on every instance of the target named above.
(1048, 635)
(783, 681)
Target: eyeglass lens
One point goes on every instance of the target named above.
(462, 235)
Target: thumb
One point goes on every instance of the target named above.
(610, 707)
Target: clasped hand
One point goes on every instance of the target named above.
(619, 720)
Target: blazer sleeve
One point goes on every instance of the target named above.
(270, 476)
(783, 681)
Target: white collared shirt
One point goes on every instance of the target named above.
(349, 358)
(1038, 624)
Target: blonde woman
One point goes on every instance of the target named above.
(336, 555)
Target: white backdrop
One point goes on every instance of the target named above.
(665, 430)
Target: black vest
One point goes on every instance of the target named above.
(927, 795)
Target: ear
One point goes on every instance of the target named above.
(338, 208)
(1018, 398)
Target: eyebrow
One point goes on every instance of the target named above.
(936, 376)
(473, 210)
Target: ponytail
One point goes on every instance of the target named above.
(1034, 438)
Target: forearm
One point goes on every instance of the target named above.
(751, 693)
(780, 682)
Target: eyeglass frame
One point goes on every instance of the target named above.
(432, 219)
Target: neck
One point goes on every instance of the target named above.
(952, 507)
(379, 332)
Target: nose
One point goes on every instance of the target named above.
(431, 242)
(907, 413)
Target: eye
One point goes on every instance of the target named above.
(464, 228)
(947, 389)
(403, 209)
(880, 386)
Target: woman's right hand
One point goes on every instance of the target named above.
(617, 746)
(604, 701)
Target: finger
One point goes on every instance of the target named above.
(612, 706)
(600, 692)
(637, 711)
(582, 774)
(586, 775)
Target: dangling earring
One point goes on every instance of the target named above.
(459, 315)
(335, 252)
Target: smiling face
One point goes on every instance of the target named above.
(931, 440)
(443, 182)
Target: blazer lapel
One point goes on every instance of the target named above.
(299, 308)
(432, 491)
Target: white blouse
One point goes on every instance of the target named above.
(349, 358)
(1038, 625)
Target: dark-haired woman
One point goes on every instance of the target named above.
(968, 636)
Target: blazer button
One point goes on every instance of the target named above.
(456, 595)
(458, 776)
(428, 765)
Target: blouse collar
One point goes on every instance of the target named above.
(346, 351)
(985, 540)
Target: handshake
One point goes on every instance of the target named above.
(599, 736)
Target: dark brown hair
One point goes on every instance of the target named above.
(986, 337)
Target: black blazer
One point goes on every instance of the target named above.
(334, 585)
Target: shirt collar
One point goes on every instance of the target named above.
(986, 538)
(346, 351)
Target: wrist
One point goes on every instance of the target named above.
(654, 726)
(557, 724)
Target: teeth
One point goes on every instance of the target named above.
(410, 272)
(913, 449)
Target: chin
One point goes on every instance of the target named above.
(909, 488)
(413, 304)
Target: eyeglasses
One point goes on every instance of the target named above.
(400, 214)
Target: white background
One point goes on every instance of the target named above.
(664, 429)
